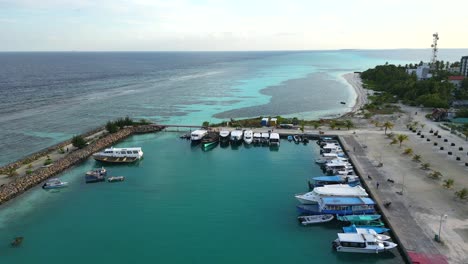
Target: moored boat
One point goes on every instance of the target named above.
(119, 155)
(197, 135)
(358, 218)
(236, 136)
(248, 136)
(314, 219)
(361, 243)
(353, 229)
(352, 180)
(265, 138)
(297, 138)
(210, 140)
(224, 135)
(54, 183)
(339, 206)
(367, 231)
(290, 138)
(116, 178)
(344, 190)
(257, 138)
(97, 175)
(274, 140)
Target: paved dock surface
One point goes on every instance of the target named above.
(410, 234)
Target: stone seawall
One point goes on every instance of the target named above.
(21, 184)
(32, 157)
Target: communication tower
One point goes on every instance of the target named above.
(435, 38)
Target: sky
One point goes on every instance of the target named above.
(191, 25)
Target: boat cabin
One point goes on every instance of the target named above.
(346, 205)
(198, 134)
(274, 139)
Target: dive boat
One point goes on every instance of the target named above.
(248, 136)
(274, 140)
(116, 178)
(119, 155)
(198, 135)
(224, 135)
(361, 243)
(344, 190)
(351, 180)
(257, 138)
(354, 228)
(265, 138)
(210, 140)
(236, 136)
(54, 183)
(314, 219)
(339, 206)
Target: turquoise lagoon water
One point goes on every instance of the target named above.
(178, 205)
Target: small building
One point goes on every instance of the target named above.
(464, 66)
(439, 114)
(422, 72)
(273, 121)
(456, 80)
(264, 121)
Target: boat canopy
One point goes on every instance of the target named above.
(347, 201)
(199, 132)
(340, 190)
(274, 136)
(328, 178)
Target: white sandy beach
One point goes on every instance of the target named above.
(361, 94)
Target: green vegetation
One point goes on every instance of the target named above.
(114, 126)
(408, 151)
(416, 158)
(401, 138)
(435, 175)
(448, 183)
(425, 166)
(348, 124)
(61, 151)
(206, 124)
(387, 125)
(28, 172)
(48, 161)
(78, 142)
(462, 194)
(393, 81)
(394, 141)
(11, 172)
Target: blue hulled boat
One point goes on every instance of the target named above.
(339, 206)
(377, 229)
(320, 181)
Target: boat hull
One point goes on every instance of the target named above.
(115, 159)
(315, 210)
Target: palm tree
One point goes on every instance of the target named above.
(462, 194)
(349, 124)
(417, 158)
(332, 125)
(402, 138)
(422, 126)
(408, 151)
(387, 125)
(425, 166)
(448, 183)
(435, 175)
(376, 123)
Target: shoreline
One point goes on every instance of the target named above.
(354, 80)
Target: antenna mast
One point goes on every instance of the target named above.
(435, 38)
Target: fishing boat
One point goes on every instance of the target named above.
(361, 243)
(116, 179)
(353, 229)
(257, 138)
(210, 140)
(358, 218)
(248, 136)
(343, 190)
(197, 135)
(274, 140)
(351, 180)
(314, 219)
(54, 183)
(339, 206)
(224, 135)
(236, 136)
(119, 155)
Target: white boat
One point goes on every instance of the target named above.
(274, 139)
(119, 155)
(248, 136)
(367, 231)
(224, 135)
(236, 136)
(314, 219)
(265, 138)
(257, 138)
(343, 190)
(198, 135)
(361, 243)
(54, 183)
(115, 178)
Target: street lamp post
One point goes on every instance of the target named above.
(442, 218)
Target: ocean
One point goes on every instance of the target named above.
(46, 97)
(179, 204)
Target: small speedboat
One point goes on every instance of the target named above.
(290, 138)
(248, 136)
(342, 102)
(116, 179)
(361, 243)
(366, 231)
(314, 219)
(297, 138)
(99, 172)
(353, 229)
(54, 183)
